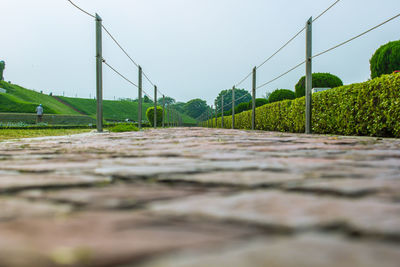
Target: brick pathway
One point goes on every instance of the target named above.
(200, 197)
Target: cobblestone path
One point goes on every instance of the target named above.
(200, 197)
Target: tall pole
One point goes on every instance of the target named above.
(308, 76)
(212, 116)
(140, 98)
(168, 115)
(208, 117)
(155, 107)
(222, 110)
(163, 110)
(216, 118)
(173, 119)
(99, 73)
(253, 113)
(233, 107)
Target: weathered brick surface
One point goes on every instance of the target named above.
(200, 197)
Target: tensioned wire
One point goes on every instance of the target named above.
(117, 43)
(287, 43)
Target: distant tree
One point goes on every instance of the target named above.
(146, 99)
(195, 107)
(168, 101)
(178, 106)
(241, 94)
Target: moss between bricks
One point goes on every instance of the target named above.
(371, 108)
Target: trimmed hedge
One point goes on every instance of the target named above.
(281, 94)
(150, 115)
(386, 59)
(371, 108)
(322, 80)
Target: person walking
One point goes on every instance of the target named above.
(39, 112)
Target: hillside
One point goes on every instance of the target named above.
(114, 110)
(20, 94)
(22, 100)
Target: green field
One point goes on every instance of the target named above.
(20, 100)
(115, 110)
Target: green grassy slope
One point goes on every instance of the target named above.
(21, 100)
(10, 103)
(115, 110)
(25, 95)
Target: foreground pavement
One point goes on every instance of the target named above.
(200, 197)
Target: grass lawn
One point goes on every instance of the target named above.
(16, 134)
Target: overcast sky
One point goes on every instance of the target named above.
(189, 48)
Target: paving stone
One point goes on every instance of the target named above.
(311, 250)
(120, 196)
(14, 181)
(13, 208)
(292, 210)
(104, 239)
(349, 187)
(201, 197)
(238, 178)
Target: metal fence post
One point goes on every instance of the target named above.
(253, 114)
(140, 98)
(173, 117)
(163, 110)
(216, 118)
(168, 115)
(222, 114)
(155, 106)
(212, 116)
(233, 107)
(309, 76)
(99, 74)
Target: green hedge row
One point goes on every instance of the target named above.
(371, 108)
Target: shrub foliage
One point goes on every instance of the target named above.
(386, 59)
(371, 108)
(324, 80)
(259, 102)
(281, 94)
(150, 115)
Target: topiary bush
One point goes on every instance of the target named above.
(241, 107)
(281, 94)
(259, 102)
(150, 115)
(321, 80)
(371, 108)
(386, 59)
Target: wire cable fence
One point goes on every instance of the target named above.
(307, 61)
(170, 114)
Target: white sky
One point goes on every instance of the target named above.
(189, 48)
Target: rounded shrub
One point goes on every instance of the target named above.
(320, 80)
(281, 94)
(150, 115)
(241, 107)
(259, 102)
(386, 59)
